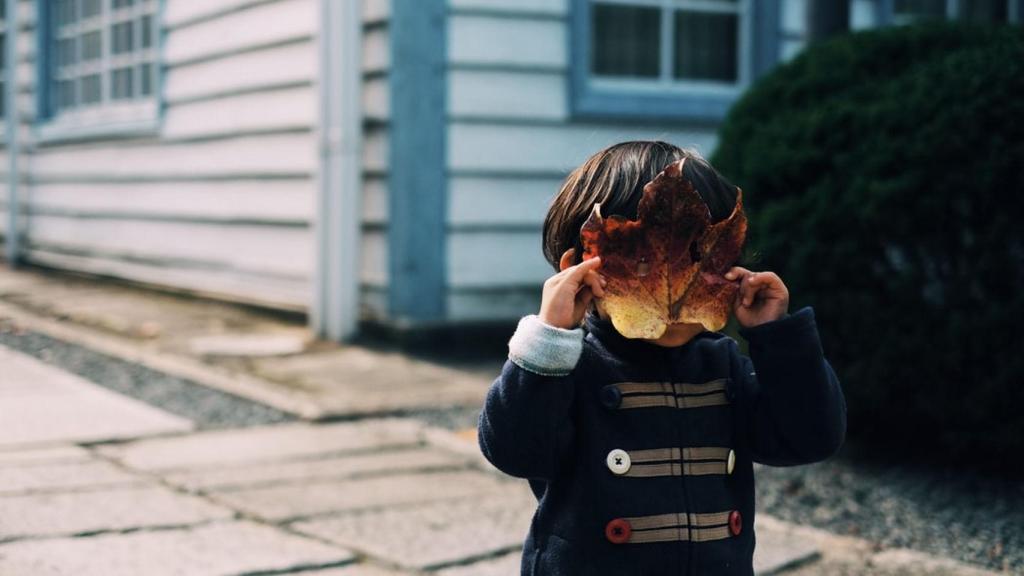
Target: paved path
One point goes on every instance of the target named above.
(92, 483)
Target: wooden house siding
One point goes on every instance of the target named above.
(511, 141)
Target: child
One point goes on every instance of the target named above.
(640, 452)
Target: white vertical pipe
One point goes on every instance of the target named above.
(11, 120)
(335, 310)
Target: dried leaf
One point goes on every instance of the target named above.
(668, 265)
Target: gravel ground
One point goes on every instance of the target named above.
(207, 407)
(950, 513)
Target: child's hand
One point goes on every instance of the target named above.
(762, 297)
(568, 293)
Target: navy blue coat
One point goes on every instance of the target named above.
(597, 445)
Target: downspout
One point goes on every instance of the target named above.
(11, 120)
(338, 221)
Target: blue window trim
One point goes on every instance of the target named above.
(885, 10)
(46, 132)
(588, 102)
(417, 177)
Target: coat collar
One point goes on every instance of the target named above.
(619, 345)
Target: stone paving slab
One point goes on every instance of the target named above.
(42, 404)
(292, 501)
(373, 381)
(305, 471)
(48, 455)
(507, 565)
(779, 549)
(210, 550)
(57, 514)
(434, 534)
(361, 569)
(63, 476)
(223, 448)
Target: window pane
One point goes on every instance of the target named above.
(66, 94)
(66, 52)
(91, 91)
(3, 52)
(625, 41)
(90, 8)
(984, 11)
(121, 84)
(92, 46)
(146, 31)
(145, 79)
(121, 35)
(65, 12)
(920, 8)
(705, 46)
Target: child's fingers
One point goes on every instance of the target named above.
(737, 272)
(749, 287)
(577, 272)
(595, 283)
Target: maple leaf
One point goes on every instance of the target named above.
(668, 265)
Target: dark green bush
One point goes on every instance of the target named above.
(883, 173)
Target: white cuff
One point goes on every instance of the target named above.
(544, 349)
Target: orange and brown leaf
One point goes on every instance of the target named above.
(668, 265)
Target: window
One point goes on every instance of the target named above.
(977, 11)
(103, 65)
(669, 58)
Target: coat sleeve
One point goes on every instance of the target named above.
(525, 427)
(793, 407)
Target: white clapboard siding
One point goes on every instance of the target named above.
(375, 149)
(508, 94)
(510, 142)
(259, 25)
(248, 71)
(486, 39)
(375, 200)
(550, 147)
(288, 201)
(276, 250)
(287, 109)
(267, 155)
(794, 17)
(376, 104)
(376, 10)
(490, 305)
(489, 201)
(376, 98)
(376, 50)
(179, 12)
(489, 259)
(221, 199)
(374, 262)
(259, 289)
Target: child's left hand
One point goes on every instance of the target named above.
(762, 297)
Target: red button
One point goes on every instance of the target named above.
(735, 523)
(618, 531)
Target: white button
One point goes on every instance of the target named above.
(618, 461)
(731, 463)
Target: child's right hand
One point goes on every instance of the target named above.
(568, 293)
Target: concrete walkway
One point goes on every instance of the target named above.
(94, 483)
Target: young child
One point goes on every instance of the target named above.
(640, 452)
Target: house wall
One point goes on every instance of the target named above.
(511, 141)
(220, 199)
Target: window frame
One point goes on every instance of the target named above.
(108, 119)
(887, 12)
(664, 98)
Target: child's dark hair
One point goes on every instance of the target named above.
(615, 177)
